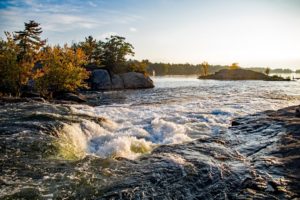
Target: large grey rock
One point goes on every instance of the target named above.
(100, 80)
(117, 82)
(134, 80)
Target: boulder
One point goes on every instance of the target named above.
(100, 80)
(134, 80)
(117, 82)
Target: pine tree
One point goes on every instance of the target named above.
(267, 71)
(92, 49)
(29, 43)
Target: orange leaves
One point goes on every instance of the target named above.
(63, 70)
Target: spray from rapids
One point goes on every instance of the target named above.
(108, 138)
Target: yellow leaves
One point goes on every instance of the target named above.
(234, 66)
(204, 67)
(63, 71)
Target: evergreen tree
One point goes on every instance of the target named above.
(29, 40)
(92, 49)
(267, 71)
(29, 43)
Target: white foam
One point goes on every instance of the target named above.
(165, 132)
(188, 113)
(124, 146)
(127, 138)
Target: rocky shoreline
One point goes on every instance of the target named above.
(276, 157)
(258, 157)
(100, 81)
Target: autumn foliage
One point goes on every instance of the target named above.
(25, 58)
(62, 70)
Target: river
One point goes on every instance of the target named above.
(156, 143)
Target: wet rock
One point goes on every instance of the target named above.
(297, 112)
(27, 193)
(235, 123)
(100, 80)
(13, 100)
(39, 99)
(71, 97)
(134, 80)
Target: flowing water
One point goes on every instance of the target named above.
(169, 142)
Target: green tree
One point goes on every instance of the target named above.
(234, 66)
(93, 49)
(62, 70)
(115, 50)
(204, 67)
(267, 71)
(29, 40)
(138, 66)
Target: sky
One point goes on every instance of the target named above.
(262, 33)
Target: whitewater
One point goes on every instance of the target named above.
(178, 110)
(174, 141)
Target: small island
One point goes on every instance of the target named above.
(236, 73)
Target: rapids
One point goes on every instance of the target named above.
(172, 141)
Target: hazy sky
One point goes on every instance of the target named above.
(250, 32)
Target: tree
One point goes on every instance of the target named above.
(29, 43)
(62, 70)
(267, 71)
(136, 66)
(204, 67)
(234, 66)
(93, 50)
(9, 68)
(29, 40)
(115, 50)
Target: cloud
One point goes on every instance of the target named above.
(106, 35)
(64, 21)
(62, 16)
(132, 29)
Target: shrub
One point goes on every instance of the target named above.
(62, 70)
(10, 71)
